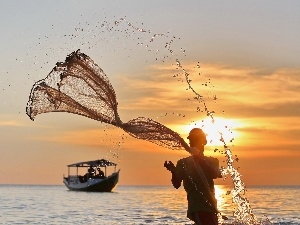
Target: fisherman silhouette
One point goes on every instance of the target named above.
(197, 173)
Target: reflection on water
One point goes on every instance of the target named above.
(48, 204)
(277, 204)
(223, 199)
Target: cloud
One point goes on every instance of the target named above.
(78, 137)
(277, 87)
(241, 91)
(13, 121)
(266, 102)
(10, 123)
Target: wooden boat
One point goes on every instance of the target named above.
(94, 179)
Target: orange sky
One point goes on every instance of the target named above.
(249, 57)
(265, 138)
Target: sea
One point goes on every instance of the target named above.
(55, 204)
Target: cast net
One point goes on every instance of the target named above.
(80, 86)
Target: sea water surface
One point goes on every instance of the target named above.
(54, 204)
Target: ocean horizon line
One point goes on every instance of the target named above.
(151, 185)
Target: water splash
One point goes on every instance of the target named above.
(244, 213)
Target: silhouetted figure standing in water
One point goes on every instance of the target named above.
(197, 173)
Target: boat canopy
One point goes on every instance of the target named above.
(98, 163)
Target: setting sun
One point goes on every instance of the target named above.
(216, 129)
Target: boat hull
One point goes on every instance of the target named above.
(94, 185)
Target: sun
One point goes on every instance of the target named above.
(218, 131)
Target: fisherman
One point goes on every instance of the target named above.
(197, 173)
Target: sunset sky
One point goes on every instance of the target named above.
(242, 57)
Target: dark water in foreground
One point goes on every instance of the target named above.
(49, 204)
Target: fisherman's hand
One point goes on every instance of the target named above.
(169, 165)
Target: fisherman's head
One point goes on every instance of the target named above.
(197, 137)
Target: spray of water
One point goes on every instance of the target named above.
(244, 213)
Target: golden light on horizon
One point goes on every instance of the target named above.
(216, 129)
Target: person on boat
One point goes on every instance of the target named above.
(197, 173)
(91, 171)
(100, 173)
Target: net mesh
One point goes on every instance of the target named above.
(80, 86)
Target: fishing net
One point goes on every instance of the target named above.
(80, 86)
